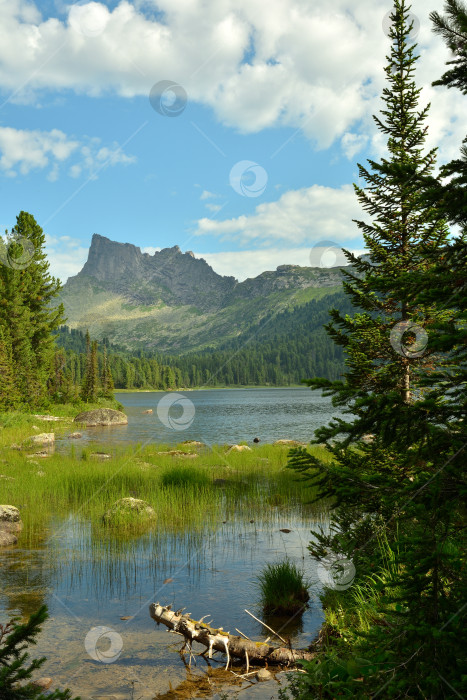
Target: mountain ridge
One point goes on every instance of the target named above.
(175, 302)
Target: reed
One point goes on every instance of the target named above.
(283, 588)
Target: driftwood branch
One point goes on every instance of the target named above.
(218, 640)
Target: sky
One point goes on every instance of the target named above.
(231, 128)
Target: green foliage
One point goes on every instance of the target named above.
(15, 666)
(28, 315)
(409, 482)
(283, 588)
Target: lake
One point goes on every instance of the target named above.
(90, 579)
(218, 416)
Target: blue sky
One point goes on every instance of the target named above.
(252, 165)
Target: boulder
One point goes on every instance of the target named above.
(42, 439)
(239, 448)
(10, 523)
(129, 509)
(75, 436)
(101, 416)
(148, 411)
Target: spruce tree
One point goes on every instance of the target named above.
(9, 397)
(406, 484)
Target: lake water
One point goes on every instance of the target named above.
(90, 580)
(219, 416)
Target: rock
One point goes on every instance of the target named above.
(14, 446)
(193, 443)
(41, 454)
(256, 440)
(263, 675)
(75, 436)
(131, 508)
(34, 427)
(43, 683)
(239, 448)
(100, 455)
(42, 439)
(10, 523)
(102, 416)
(7, 538)
(290, 443)
(10, 518)
(148, 411)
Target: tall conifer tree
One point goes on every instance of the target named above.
(406, 484)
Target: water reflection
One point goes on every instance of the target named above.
(89, 576)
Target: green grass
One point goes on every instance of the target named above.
(194, 494)
(283, 588)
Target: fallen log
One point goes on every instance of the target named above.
(217, 639)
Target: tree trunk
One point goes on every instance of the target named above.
(198, 631)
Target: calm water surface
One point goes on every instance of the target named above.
(88, 579)
(219, 416)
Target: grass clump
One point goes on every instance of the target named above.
(186, 477)
(283, 588)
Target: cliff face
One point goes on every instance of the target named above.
(170, 276)
(174, 301)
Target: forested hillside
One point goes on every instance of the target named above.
(283, 349)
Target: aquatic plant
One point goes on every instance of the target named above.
(283, 588)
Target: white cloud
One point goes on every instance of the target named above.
(300, 216)
(208, 195)
(250, 263)
(23, 150)
(312, 66)
(66, 256)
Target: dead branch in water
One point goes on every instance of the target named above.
(218, 640)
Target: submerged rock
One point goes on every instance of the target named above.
(75, 436)
(102, 416)
(129, 509)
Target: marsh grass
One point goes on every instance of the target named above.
(283, 588)
(185, 493)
